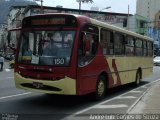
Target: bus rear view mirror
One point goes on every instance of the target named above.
(86, 43)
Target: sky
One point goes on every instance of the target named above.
(119, 6)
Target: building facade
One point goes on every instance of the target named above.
(157, 19)
(117, 19)
(3, 37)
(148, 9)
(138, 24)
(151, 10)
(15, 16)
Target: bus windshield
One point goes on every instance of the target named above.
(46, 47)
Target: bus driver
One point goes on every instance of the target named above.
(50, 47)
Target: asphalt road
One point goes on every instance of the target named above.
(23, 105)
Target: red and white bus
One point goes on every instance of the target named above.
(76, 55)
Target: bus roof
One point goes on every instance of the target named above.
(101, 24)
(115, 28)
(118, 29)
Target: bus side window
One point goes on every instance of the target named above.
(129, 47)
(107, 42)
(94, 44)
(138, 47)
(145, 51)
(88, 44)
(150, 48)
(119, 44)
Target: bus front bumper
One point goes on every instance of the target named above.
(65, 86)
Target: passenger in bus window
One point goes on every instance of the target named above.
(49, 48)
(57, 37)
(28, 52)
(68, 38)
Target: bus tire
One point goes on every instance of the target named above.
(100, 88)
(138, 78)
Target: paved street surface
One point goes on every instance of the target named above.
(24, 105)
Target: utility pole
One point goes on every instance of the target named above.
(128, 19)
(41, 5)
(80, 2)
(84, 1)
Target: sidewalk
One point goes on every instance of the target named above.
(150, 102)
(6, 65)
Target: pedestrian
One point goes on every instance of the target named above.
(1, 62)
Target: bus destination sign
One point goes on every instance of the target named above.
(49, 21)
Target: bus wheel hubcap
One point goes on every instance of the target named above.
(101, 88)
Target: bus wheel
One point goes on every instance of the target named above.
(100, 88)
(138, 78)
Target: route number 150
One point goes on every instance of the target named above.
(59, 61)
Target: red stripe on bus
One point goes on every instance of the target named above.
(116, 71)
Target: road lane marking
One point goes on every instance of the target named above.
(111, 106)
(126, 97)
(136, 91)
(15, 95)
(144, 87)
(7, 70)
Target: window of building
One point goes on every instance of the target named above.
(142, 24)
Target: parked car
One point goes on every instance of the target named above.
(156, 60)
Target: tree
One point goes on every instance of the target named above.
(83, 1)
